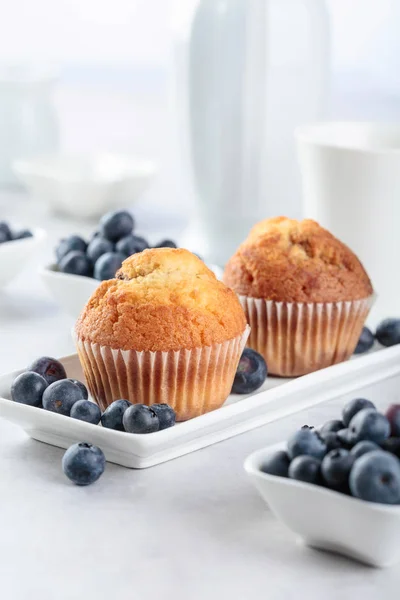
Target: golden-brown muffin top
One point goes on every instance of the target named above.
(162, 299)
(296, 261)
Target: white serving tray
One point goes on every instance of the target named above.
(278, 398)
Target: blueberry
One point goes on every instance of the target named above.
(331, 440)
(112, 416)
(166, 244)
(305, 468)
(375, 477)
(336, 466)
(28, 388)
(388, 332)
(346, 438)
(84, 410)
(166, 415)
(333, 425)
(353, 407)
(365, 342)
(392, 444)
(49, 368)
(363, 447)
(393, 416)
(82, 387)
(69, 244)
(5, 232)
(276, 464)
(23, 234)
(369, 424)
(107, 265)
(76, 263)
(306, 441)
(139, 418)
(60, 397)
(116, 225)
(131, 244)
(83, 463)
(97, 247)
(251, 372)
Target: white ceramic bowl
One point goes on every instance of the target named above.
(324, 519)
(15, 255)
(85, 186)
(71, 292)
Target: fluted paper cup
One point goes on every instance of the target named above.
(296, 338)
(193, 382)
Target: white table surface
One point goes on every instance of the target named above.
(190, 529)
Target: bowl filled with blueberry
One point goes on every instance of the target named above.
(18, 245)
(338, 486)
(81, 264)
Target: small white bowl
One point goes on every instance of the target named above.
(328, 520)
(15, 255)
(85, 186)
(71, 292)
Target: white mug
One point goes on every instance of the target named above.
(351, 185)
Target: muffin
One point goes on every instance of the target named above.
(305, 294)
(165, 330)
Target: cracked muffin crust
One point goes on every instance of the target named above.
(162, 299)
(296, 261)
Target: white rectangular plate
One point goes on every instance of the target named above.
(278, 398)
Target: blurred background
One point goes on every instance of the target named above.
(113, 66)
(198, 98)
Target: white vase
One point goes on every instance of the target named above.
(28, 120)
(249, 72)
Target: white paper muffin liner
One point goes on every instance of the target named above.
(193, 382)
(297, 338)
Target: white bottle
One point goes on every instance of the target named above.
(28, 119)
(249, 72)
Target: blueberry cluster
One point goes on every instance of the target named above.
(137, 418)
(358, 455)
(102, 255)
(9, 235)
(45, 385)
(387, 334)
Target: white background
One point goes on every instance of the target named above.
(137, 31)
(114, 58)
